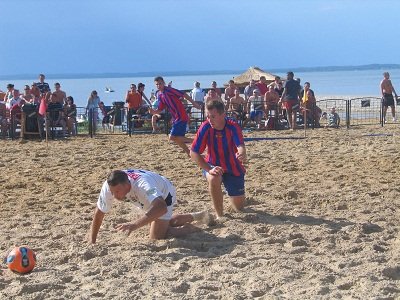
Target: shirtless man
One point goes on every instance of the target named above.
(229, 92)
(271, 99)
(237, 106)
(212, 95)
(217, 90)
(61, 96)
(387, 90)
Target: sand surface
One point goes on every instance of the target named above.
(321, 222)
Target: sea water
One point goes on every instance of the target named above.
(324, 83)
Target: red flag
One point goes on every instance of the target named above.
(43, 107)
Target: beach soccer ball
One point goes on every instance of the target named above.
(21, 260)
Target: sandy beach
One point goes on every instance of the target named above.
(321, 221)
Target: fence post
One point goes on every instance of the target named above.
(381, 119)
(90, 123)
(348, 113)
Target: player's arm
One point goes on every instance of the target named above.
(96, 223)
(157, 208)
(394, 91)
(241, 154)
(196, 157)
(188, 98)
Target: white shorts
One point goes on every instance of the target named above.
(168, 215)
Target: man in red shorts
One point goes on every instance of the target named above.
(291, 99)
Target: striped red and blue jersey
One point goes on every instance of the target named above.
(221, 146)
(170, 98)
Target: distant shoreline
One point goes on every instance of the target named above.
(190, 73)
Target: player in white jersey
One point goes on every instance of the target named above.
(151, 193)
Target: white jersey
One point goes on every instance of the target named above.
(145, 187)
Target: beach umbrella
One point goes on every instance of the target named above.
(252, 73)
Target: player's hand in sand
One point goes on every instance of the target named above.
(216, 171)
(126, 228)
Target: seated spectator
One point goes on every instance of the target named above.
(309, 102)
(333, 119)
(106, 112)
(15, 99)
(16, 115)
(56, 114)
(211, 96)
(9, 94)
(271, 99)
(70, 115)
(237, 106)
(35, 92)
(156, 117)
(262, 85)
(255, 106)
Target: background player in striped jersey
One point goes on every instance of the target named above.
(170, 98)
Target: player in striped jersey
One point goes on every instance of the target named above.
(226, 153)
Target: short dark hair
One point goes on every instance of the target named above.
(158, 78)
(117, 177)
(290, 73)
(215, 104)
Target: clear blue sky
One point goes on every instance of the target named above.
(96, 36)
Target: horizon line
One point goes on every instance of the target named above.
(198, 72)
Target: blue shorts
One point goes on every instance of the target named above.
(178, 128)
(255, 113)
(234, 185)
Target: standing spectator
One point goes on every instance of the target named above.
(197, 94)
(262, 85)
(279, 88)
(229, 92)
(225, 156)
(387, 91)
(91, 108)
(42, 86)
(248, 90)
(134, 100)
(35, 92)
(9, 94)
(290, 99)
(217, 89)
(61, 95)
(56, 114)
(275, 83)
(170, 98)
(27, 96)
(140, 89)
(105, 122)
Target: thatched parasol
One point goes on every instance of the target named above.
(252, 73)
